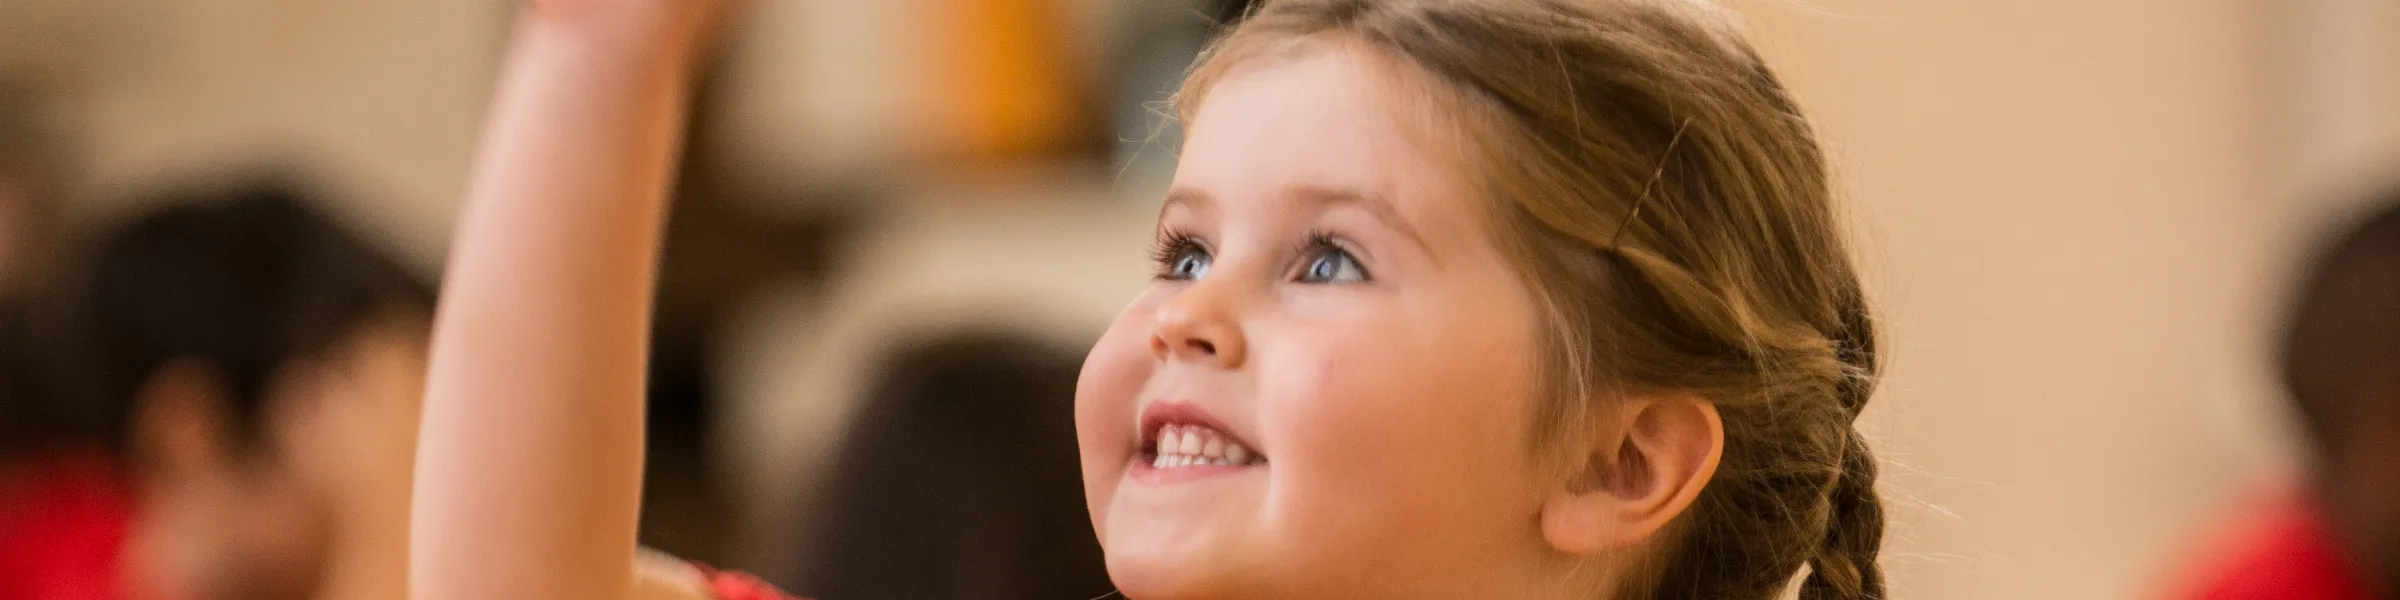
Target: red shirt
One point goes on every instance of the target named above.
(63, 519)
(737, 586)
(2280, 551)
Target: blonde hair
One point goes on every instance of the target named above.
(1668, 204)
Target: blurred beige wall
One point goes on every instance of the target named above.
(378, 101)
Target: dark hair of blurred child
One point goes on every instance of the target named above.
(271, 365)
(960, 480)
(2339, 538)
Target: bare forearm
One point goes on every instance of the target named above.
(528, 469)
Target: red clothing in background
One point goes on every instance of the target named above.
(63, 519)
(2281, 550)
(736, 586)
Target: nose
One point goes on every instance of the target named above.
(1199, 326)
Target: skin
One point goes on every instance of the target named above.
(529, 466)
(1357, 392)
(1393, 407)
(316, 509)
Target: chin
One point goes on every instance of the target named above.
(1143, 575)
(1154, 560)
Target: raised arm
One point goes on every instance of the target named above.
(529, 462)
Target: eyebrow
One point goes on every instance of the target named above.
(1306, 195)
(1191, 198)
(1374, 204)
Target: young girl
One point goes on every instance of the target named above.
(269, 365)
(1456, 298)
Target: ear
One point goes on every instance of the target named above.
(179, 429)
(1647, 462)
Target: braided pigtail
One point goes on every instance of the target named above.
(1845, 565)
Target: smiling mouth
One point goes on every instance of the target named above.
(1182, 446)
(1182, 436)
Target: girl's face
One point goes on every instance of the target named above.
(1328, 391)
(329, 482)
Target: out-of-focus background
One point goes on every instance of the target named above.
(2079, 220)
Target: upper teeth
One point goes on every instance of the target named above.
(1193, 445)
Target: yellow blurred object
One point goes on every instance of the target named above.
(1005, 85)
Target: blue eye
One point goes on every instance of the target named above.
(1332, 265)
(1191, 264)
(1180, 258)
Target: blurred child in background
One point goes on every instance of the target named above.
(2337, 538)
(271, 365)
(959, 481)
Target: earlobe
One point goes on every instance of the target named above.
(1651, 462)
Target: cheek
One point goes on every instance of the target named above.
(1107, 394)
(1395, 413)
(1409, 422)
